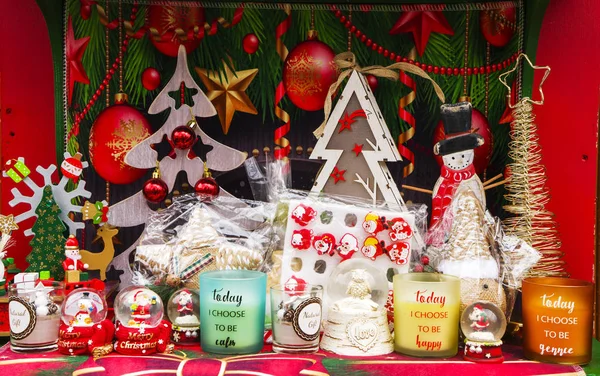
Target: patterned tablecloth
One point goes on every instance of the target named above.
(192, 361)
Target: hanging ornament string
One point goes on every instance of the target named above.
(282, 51)
(109, 75)
(197, 32)
(449, 71)
(346, 63)
(466, 54)
(107, 86)
(407, 117)
(527, 193)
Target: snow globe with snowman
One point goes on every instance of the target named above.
(183, 310)
(84, 328)
(140, 328)
(483, 324)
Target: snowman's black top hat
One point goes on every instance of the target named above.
(457, 126)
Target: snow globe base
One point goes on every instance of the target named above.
(483, 352)
(185, 335)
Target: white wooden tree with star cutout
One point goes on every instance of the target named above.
(356, 144)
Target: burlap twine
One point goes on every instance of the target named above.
(346, 63)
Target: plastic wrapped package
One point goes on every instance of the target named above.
(475, 250)
(318, 232)
(193, 236)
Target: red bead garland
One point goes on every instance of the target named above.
(449, 71)
(79, 116)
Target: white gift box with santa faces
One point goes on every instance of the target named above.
(320, 235)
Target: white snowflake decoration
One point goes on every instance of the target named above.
(176, 337)
(62, 197)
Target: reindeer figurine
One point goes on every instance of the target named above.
(100, 260)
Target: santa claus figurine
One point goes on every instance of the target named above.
(372, 248)
(184, 304)
(140, 308)
(347, 246)
(324, 244)
(457, 151)
(73, 260)
(479, 318)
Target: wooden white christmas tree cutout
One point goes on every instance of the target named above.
(356, 144)
(134, 210)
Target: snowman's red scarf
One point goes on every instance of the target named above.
(450, 181)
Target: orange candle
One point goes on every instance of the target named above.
(557, 320)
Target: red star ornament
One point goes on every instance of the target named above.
(421, 24)
(346, 123)
(338, 175)
(74, 51)
(357, 149)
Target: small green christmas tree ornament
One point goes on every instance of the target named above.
(47, 245)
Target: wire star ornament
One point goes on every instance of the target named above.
(227, 92)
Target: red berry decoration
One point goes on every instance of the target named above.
(425, 260)
(308, 73)
(372, 81)
(418, 268)
(250, 43)
(155, 190)
(183, 137)
(150, 79)
(207, 187)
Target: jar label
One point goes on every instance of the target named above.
(22, 317)
(307, 319)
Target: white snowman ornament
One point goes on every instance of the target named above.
(457, 151)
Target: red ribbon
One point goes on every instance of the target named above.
(410, 120)
(279, 135)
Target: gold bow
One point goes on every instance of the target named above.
(346, 63)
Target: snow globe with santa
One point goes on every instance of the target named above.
(183, 310)
(483, 324)
(84, 328)
(140, 328)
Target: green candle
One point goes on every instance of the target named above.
(232, 311)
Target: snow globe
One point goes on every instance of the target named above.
(84, 328)
(183, 310)
(483, 325)
(357, 322)
(140, 328)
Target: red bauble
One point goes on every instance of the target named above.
(250, 43)
(72, 167)
(116, 130)
(155, 190)
(166, 19)
(498, 25)
(183, 137)
(372, 81)
(482, 153)
(308, 72)
(150, 78)
(207, 188)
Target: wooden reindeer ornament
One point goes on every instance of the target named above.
(101, 260)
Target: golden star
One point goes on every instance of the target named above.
(227, 92)
(7, 224)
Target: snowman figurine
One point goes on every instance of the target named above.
(457, 151)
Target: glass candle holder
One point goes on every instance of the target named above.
(296, 318)
(557, 320)
(232, 311)
(426, 307)
(34, 316)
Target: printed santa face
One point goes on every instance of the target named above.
(301, 239)
(294, 285)
(459, 160)
(303, 214)
(185, 298)
(372, 248)
(398, 252)
(399, 229)
(324, 244)
(373, 224)
(347, 246)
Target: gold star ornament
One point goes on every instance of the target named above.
(7, 224)
(227, 92)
